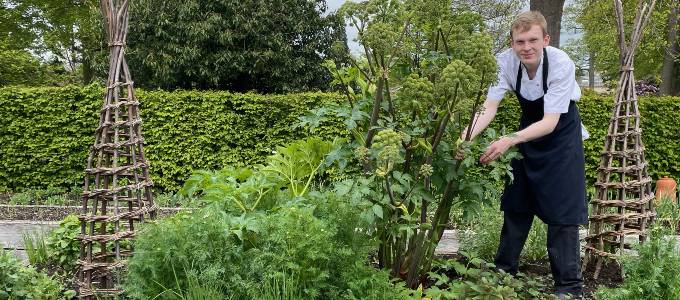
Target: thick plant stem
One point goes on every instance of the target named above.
(381, 250)
(399, 256)
(388, 252)
(375, 113)
(344, 88)
(440, 219)
(413, 274)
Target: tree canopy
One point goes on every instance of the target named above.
(599, 26)
(267, 46)
(58, 32)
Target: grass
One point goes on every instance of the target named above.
(36, 248)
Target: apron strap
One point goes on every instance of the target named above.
(545, 71)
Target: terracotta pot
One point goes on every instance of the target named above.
(665, 188)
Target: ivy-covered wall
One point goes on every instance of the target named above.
(45, 133)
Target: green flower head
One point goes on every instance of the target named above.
(458, 80)
(415, 93)
(380, 37)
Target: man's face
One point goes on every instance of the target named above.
(529, 45)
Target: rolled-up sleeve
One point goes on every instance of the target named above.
(560, 89)
(497, 91)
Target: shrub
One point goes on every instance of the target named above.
(18, 282)
(45, 133)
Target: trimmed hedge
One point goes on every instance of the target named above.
(45, 133)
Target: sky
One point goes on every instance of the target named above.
(333, 5)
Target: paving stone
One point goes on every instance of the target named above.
(11, 232)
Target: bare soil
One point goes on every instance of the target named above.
(610, 275)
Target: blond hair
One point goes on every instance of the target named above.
(525, 20)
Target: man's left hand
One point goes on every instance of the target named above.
(496, 149)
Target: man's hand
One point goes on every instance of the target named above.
(496, 149)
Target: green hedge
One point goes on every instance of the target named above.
(660, 119)
(45, 133)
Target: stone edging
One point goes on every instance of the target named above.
(56, 213)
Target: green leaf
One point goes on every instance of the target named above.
(378, 210)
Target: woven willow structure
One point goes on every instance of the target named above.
(117, 184)
(623, 206)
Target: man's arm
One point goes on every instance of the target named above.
(482, 119)
(536, 130)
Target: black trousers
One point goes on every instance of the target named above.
(563, 251)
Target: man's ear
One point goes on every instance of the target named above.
(546, 39)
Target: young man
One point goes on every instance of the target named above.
(549, 181)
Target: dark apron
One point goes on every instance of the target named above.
(549, 181)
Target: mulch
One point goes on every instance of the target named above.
(610, 275)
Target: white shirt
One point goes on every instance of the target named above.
(562, 86)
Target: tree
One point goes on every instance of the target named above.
(497, 14)
(267, 46)
(16, 26)
(73, 32)
(67, 30)
(599, 27)
(19, 67)
(552, 10)
(671, 54)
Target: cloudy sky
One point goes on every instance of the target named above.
(333, 5)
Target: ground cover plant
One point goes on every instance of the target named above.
(56, 252)
(668, 213)
(47, 196)
(474, 278)
(652, 273)
(19, 282)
